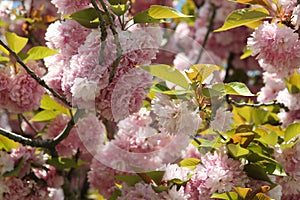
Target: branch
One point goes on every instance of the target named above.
(209, 30)
(33, 75)
(116, 41)
(256, 105)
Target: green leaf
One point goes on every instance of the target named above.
(117, 193)
(262, 196)
(259, 116)
(256, 172)
(242, 17)
(144, 17)
(246, 54)
(225, 196)
(45, 115)
(291, 131)
(200, 72)
(255, 2)
(167, 73)
(119, 9)
(163, 12)
(116, 2)
(242, 192)
(293, 83)
(129, 179)
(7, 144)
(271, 139)
(49, 103)
(16, 171)
(87, 17)
(237, 88)
(3, 59)
(236, 150)
(156, 176)
(62, 163)
(189, 162)
(39, 52)
(159, 189)
(15, 42)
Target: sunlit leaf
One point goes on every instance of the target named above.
(45, 115)
(246, 54)
(7, 144)
(39, 52)
(87, 17)
(293, 83)
(15, 42)
(242, 192)
(167, 73)
(236, 150)
(200, 72)
(225, 196)
(162, 12)
(242, 17)
(237, 88)
(243, 139)
(189, 162)
(144, 17)
(119, 9)
(255, 2)
(49, 103)
(291, 131)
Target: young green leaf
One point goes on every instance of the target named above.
(225, 196)
(15, 42)
(236, 150)
(164, 12)
(48, 103)
(144, 17)
(120, 9)
(129, 179)
(291, 131)
(62, 163)
(167, 73)
(87, 17)
(39, 52)
(189, 162)
(7, 144)
(200, 72)
(15, 172)
(243, 17)
(237, 88)
(45, 115)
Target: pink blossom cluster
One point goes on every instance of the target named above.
(80, 65)
(19, 92)
(21, 185)
(217, 173)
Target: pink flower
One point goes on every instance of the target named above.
(29, 156)
(292, 101)
(222, 120)
(70, 6)
(24, 189)
(138, 191)
(216, 174)
(273, 85)
(66, 36)
(50, 176)
(6, 163)
(102, 178)
(277, 48)
(175, 117)
(174, 194)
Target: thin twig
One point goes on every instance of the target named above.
(209, 30)
(256, 105)
(33, 75)
(29, 124)
(116, 41)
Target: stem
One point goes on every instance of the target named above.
(29, 124)
(116, 41)
(102, 25)
(33, 75)
(255, 105)
(209, 30)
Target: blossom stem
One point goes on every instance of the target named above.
(33, 75)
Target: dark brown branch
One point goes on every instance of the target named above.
(33, 75)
